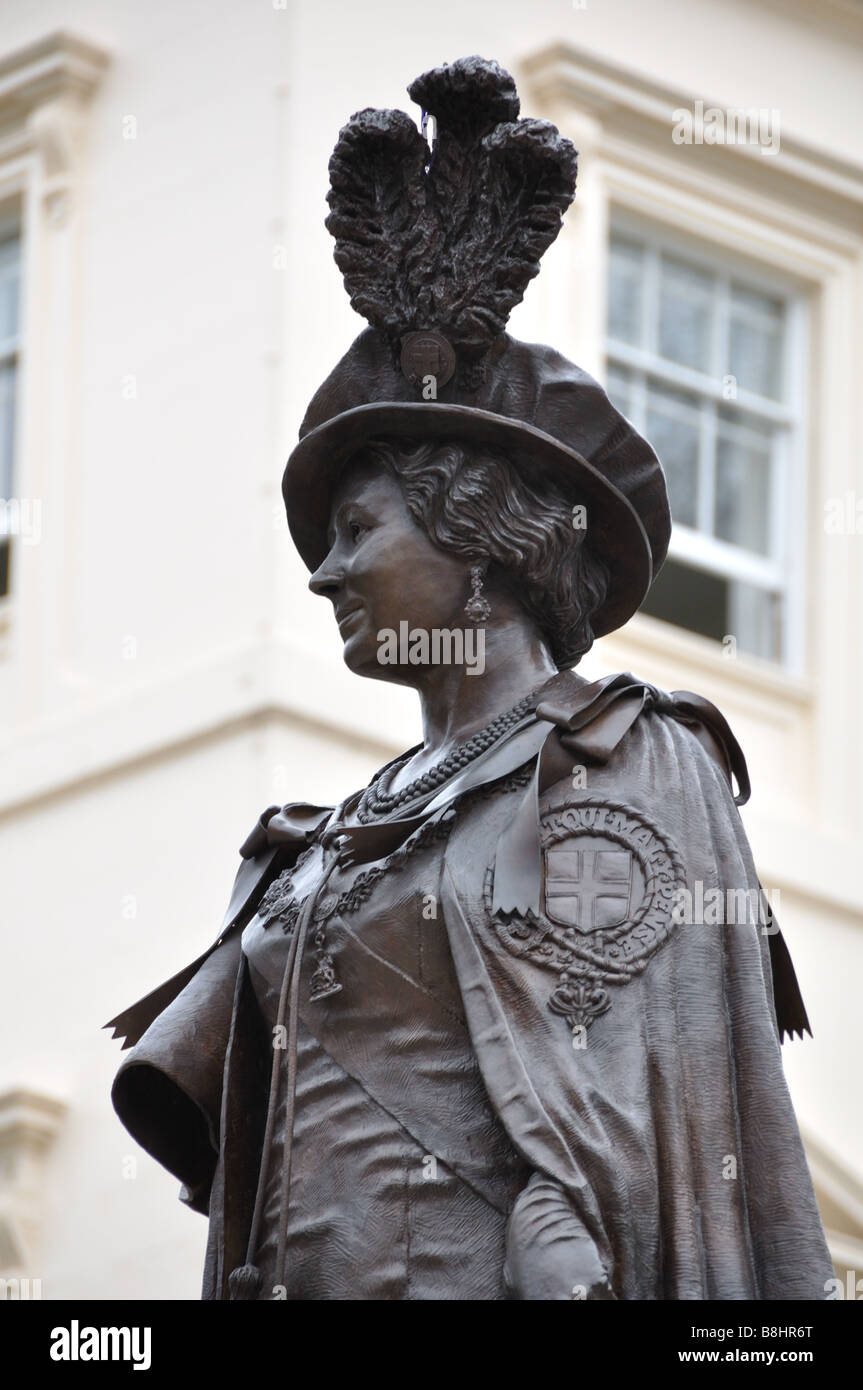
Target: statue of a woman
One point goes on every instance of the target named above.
(463, 1036)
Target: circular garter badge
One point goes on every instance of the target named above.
(609, 883)
(427, 354)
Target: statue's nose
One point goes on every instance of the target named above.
(327, 578)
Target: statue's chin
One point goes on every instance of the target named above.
(361, 657)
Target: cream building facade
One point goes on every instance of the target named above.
(168, 303)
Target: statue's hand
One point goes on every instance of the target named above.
(549, 1254)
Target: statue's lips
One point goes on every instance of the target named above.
(343, 619)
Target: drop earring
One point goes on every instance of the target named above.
(477, 608)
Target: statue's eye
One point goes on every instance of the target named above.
(355, 529)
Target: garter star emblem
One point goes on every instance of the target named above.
(609, 883)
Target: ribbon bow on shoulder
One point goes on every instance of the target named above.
(587, 723)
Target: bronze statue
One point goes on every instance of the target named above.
(457, 1038)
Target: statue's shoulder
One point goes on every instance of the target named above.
(606, 721)
(696, 723)
(295, 823)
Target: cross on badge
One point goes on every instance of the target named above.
(588, 889)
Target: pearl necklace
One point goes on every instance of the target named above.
(374, 803)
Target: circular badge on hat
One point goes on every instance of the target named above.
(427, 354)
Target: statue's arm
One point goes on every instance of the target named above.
(168, 1089)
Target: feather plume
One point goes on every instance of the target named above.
(448, 239)
(378, 217)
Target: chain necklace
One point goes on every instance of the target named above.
(374, 803)
(280, 903)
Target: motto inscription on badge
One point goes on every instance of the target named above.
(610, 878)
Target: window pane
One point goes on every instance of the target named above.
(689, 598)
(626, 277)
(742, 507)
(7, 426)
(756, 335)
(686, 314)
(722, 461)
(754, 619)
(672, 429)
(9, 267)
(717, 607)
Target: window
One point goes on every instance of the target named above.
(10, 263)
(700, 359)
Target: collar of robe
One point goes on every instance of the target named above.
(574, 723)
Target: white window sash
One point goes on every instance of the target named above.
(674, 374)
(775, 573)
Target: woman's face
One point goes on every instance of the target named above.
(383, 570)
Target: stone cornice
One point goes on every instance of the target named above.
(57, 66)
(29, 1123)
(29, 1118)
(45, 90)
(623, 100)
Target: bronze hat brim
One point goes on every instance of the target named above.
(614, 528)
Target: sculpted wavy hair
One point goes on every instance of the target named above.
(474, 503)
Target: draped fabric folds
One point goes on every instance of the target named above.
(630, 1053)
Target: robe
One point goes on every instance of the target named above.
(626, 1030)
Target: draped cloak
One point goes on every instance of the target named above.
(628, 1041)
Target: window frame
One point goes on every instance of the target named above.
(781, 571)
(46, 92)
(799, 214)
(12, 350)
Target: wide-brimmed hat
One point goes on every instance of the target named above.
(436, 249)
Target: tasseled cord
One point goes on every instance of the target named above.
(246, 1281)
